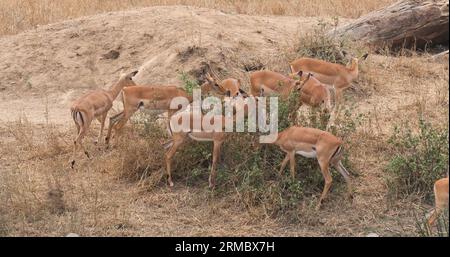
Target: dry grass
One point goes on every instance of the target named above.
(19, 15)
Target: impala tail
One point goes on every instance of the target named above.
(77, 116)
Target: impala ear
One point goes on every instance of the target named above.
(300, 73)
(209, 77)
(134, 73)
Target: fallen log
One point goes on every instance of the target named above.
(407, 23)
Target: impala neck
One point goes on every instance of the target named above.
(353, 69)
(289, 84)
(115, 89)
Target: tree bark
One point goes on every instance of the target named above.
(407, 23)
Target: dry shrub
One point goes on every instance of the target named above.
(29, 141)
(21, 197)
(23, 133)
(140, 161)
(321, 45)
(247, 170)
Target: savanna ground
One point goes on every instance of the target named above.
(122, 191)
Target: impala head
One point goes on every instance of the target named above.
(227, 86)
(126, 80)
(298, 79)
(233, 87)
(353, 64)
(306, 78)
(211, 85)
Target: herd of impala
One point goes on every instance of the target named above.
(319, 83)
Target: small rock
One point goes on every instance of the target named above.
(112, 54)
(72, 235)
(372, 235)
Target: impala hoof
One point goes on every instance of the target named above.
(87, 154)
(72, 163)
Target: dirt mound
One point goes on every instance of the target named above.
(60, 61)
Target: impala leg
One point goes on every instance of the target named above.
(441, 202)
(78, 142)
(292, 162)
(112, 121)
(169, 155)
(283, 164)
(325, 168)
(72, 161)
(332, 111)
(346, 176)
(331, 120)
(119, 125)
(216, 155)
(433, 217)
(101, 119)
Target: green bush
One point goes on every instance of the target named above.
(419, 159)
(320, 44)
(189, 83)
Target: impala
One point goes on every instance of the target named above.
(312, 92)
(329, 73)
(315, 94)
(178, 137)
(313, 143)
(440, 198)
(146, 97)
(95, 104)
(269, 82)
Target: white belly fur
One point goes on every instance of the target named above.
(311, 154)
(200, 139)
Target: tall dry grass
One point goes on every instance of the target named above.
(19, 15)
